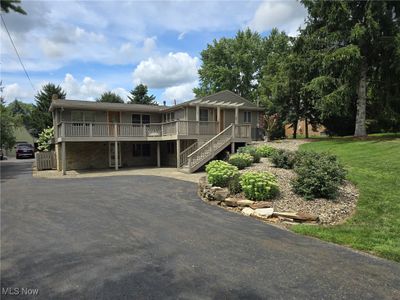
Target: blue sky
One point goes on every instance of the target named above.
(89, 47)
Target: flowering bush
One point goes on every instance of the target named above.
(45, 137)
(220, 172)
(265, 151)
(259, 185)
(252, 151)
(241, 160)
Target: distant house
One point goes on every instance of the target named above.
(301, 129)
(22, 135)
(99, 135)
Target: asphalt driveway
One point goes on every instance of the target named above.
(146, 237)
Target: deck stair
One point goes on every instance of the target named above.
(200, 156)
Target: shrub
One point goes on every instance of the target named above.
(234, 186)
(259, 185)
(265, 151)
(241, 160)
(318, 175)
(283, 158)
(220, 172)
(252, 151)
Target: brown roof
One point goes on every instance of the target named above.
(224, 98)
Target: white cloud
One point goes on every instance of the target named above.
(285, 15)
(180, 93)
(170, 70)
(87, 89)
(14, 91)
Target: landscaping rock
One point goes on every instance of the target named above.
(247, 211)
(231, 202)
(221, 194)
(244, 203)
(264, 212)
(296, 216)
(261, 204)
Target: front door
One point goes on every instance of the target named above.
(111, 154)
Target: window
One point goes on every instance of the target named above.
(135, 119)
(203, 115)
(170, 147)
(247, 116)
(82, 116)
(137, 150)
(146, 150)
(141, 150)
(146, 119)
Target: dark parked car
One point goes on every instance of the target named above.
(1, 154)
(25, 150)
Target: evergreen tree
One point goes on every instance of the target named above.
(140, 96)
(7, 5)
(358, 42)
(110, 97)
(41, 117)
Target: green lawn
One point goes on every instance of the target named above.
(374, 166)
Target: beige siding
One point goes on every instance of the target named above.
(229, 117)
(100, 116)
(126, 117)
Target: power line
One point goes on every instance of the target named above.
(16, 51)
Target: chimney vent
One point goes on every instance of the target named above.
(165, 103)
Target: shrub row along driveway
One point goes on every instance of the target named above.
(151, 237)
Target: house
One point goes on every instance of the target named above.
(100, 135)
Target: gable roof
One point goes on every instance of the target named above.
(224, 98)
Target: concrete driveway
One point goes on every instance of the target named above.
(146, 237)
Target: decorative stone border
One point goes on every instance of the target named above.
(262, 210)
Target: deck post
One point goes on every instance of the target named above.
(237, 115)
(158, 155)
(178, 153)
(63, 158)
(197, 119)
(218, 118)
(116, 158)
(232, 147)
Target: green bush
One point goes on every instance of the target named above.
(241, 160)
(259, 185)
(283, 158)
(220, 172)
(234, 186)
(265, 151)
(319, 175)
(252, 151)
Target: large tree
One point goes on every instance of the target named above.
(359, 43)
(7, 124)
(41, 116)
(23, 111)
(7, 5)
(139, 95)
(232, 64)
(110, 97)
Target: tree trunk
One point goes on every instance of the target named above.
(360, 129)
(295, 129)
(306, 127)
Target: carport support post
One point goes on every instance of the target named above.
(116, 162)
(63, 158)
(158, 155)
(178, 152)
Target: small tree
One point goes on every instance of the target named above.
(271, 124)
(41, 117)
(45, 138)
(139, 96)
(110, 97)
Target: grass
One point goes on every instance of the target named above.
(373, 165)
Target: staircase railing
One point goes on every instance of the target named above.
(185, 153)
(210, 148)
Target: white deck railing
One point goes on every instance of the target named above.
(96, 129)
